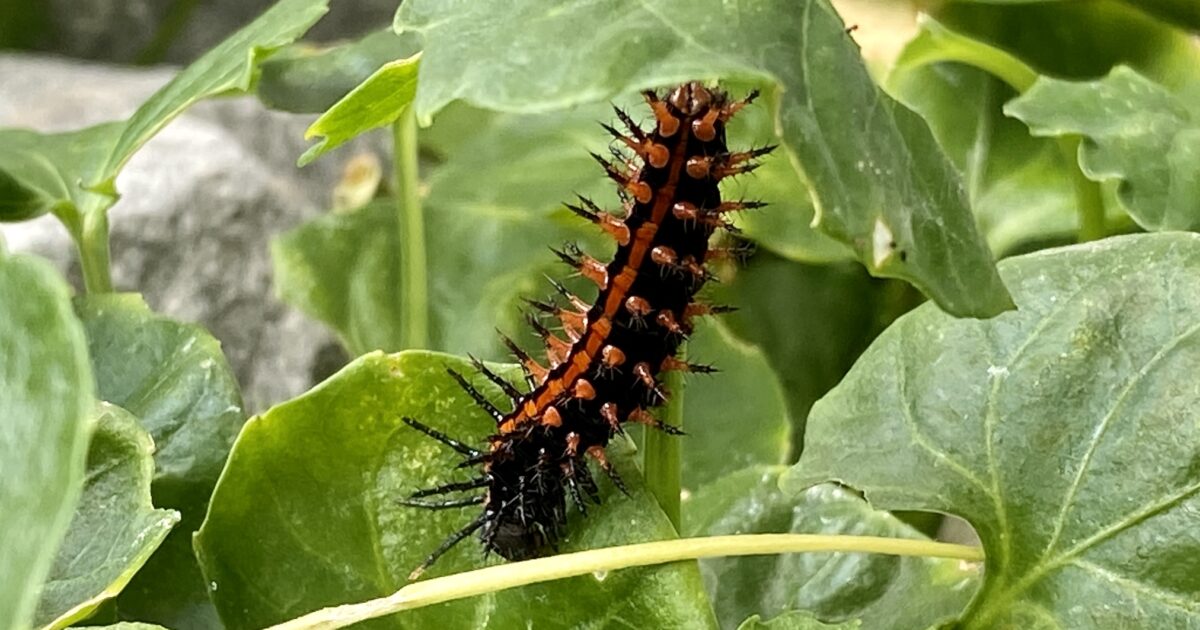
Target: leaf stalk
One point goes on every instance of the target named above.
(662, 459)
(92, 243)
(414, 273)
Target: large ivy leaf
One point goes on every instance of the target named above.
(880, 182)
(1135, 132)
(305, 515)
(306, 79)
(73, 173)
(115, 528)
(1064, 432)
(881, 591)
(174, 377)
(45, 396)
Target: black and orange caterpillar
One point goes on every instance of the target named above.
(606, 372)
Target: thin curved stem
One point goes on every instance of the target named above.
(1092, 222)
(950, 46)
(414, 273)
(505, 576)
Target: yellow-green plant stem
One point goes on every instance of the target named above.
(662, 456)
(1092, 223)
(414, 275)
(505, 576)
(952, 47)
(92, 242)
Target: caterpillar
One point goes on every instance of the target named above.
(605, 373)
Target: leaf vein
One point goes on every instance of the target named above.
(1102, 428)
(1157, 594)
(921, 440)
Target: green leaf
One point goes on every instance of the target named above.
(333, 463)
(73, 173)
(231, 66)
(306, 79)
(46, 394)
(1020, 187)
(115, 528)
(1028, 192)
(492, 211)
(18, 202)
(485, 208)
(1064, 432)
(794, 620)
(811, 323)
(785, 227)
(175, 379)
(343, 269)
(1080, 39)
(376, 102)
(1135, 132)
(754, 422)
(880, 182)
(883, 591)
(50, 172)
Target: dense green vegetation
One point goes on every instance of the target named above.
(1050, 399)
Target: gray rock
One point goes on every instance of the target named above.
(200, 203)
(178, 31)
